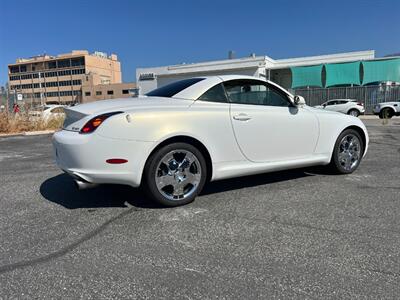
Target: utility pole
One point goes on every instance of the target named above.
(40, 88)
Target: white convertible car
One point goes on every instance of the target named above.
(179, 136)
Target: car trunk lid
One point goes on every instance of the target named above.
(77, 116)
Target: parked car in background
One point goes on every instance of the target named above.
(203, 129)
(48, 112)
(346, 106)
(387, 109)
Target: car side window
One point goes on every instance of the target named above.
(331, 103)
(255, 92)
(215, 94)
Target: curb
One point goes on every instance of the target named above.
(39, 132)
(28, 133)
(10, 134)
(368, 117)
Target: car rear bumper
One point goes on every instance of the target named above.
(84, 157)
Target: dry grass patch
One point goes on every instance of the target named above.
(10, 123)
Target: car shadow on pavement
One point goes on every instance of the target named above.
(62, 190)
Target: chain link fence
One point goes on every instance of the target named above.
(369, 95)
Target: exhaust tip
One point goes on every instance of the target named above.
(84, 185)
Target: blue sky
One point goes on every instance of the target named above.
(154, 33)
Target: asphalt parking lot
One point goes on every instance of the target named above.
(293, 234)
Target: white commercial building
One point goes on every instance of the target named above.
(278, 70)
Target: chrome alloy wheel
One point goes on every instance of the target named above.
(349, 152)
(178, 174)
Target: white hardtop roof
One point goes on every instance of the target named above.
(196, 90)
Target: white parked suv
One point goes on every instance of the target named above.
(347, 106)
(387, 109)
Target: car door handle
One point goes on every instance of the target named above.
(241, 117)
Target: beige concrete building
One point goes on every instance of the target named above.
(108, 91)
(59, 79)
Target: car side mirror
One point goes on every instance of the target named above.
(324, 105)
(299, 100)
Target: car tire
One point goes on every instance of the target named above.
(386, 113)
(347, 153)
(175, 174)
(353, 112)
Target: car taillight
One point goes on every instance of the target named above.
(360, 103)
(92, 124)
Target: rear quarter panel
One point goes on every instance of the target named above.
(207, 122)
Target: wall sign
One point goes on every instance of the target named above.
(147, 76)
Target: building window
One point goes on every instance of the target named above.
(65, 83)
(26, 86)
(65, 63)
(50, 74)
(26, 76)
(52, 94)
(15, 77)
(125, 92)
(65, 93)
(98, 93)
(23, 68)
(53, 83)
(87, 94)
(110, 92)
(14, 69)
(64, 73)
(78, 71)
(75, 62)
(52, 64)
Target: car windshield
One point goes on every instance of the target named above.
(174, 88)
